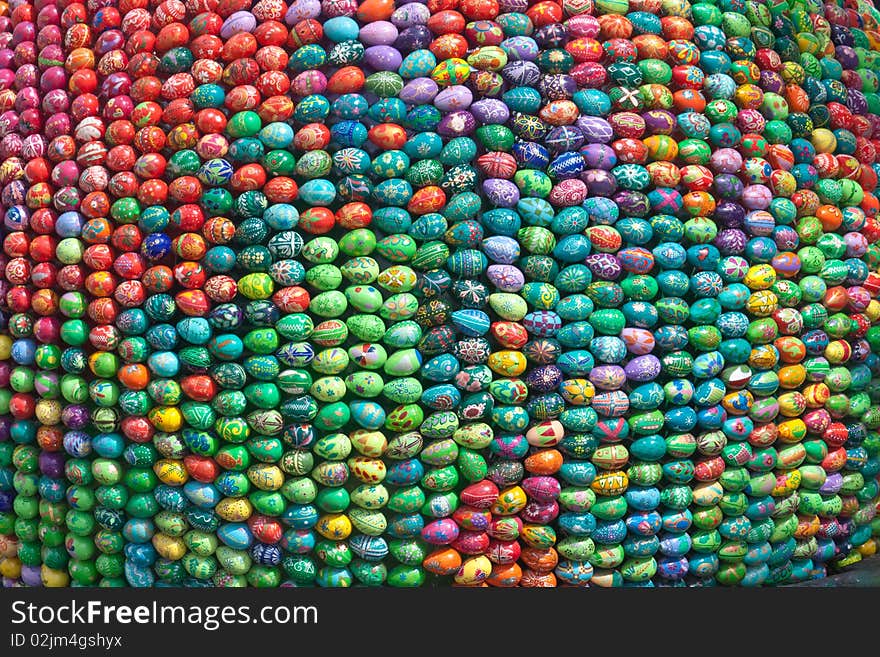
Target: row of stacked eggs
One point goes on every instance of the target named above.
(486, 293)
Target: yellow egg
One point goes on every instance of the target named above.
(10, 567)
(787, 483)
(369, 443)
(5, 347)
(171, 472)
(792, 404)
(166, 418)
(169, 547)
(369, 471)
(760, 277)
(763, 357)
(823, 140)
(265, 476)
(872, 312)
(510, 502)
(868, 548)
(48, 411)
(507, 363)
(762, 303)
(234, 509)
(610, 483)
(53, 578)
(792, 376)
(816, 394)
(792, 431)
(708, 493)
(578, 392)
(474, 570)
(335, 526)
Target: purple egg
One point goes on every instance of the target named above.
(608, 377)
(599, 182)
(632, 203)
(415, 37)
(856, 101)
(544, 378)
(772, 82)
(521, 73)
(643, 368)
(31, 576)
(506, 278)
(730, 241)
(456, 97)
(520, 48)
(501, 249)
(599, 156)
(730, 214)
(728, 186)
(301, 10)
(847, 56)
(490, 110)
(240, 21)
(383, 58)
(604, 265)
(659, 121)
(419, 91)
(833, 483)
(378, 33)
(596, 130)
(457, 124)
(412, 13)
(501, 193)
(52, 464)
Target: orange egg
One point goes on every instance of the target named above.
(532, 579)
(540, 560)
(544, 462)
(505, 575)
(445, 561)
(134, 376)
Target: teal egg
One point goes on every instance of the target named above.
(417, 64)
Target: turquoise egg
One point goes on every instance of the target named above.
(608, 349)
(441, 397)
(341, 28)
(417, 64)
(367, 414)
(510, 418)
(581, 418)
(318, 192)
(165, 363)
(440, 368)
(576, 363)
(424, 145)
(646, 397)
(428, 227)
(195, 330)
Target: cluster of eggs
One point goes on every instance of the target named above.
(472, 292)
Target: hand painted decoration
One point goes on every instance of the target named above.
(456, 292)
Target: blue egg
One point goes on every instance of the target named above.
(670, 255)
(108, 445)
(195, 330)
(641, 546)
(318, 192)
(236, 535)
(341, 28)
(23, 351)
(68, 224)
(644, 522)
(156, 246)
